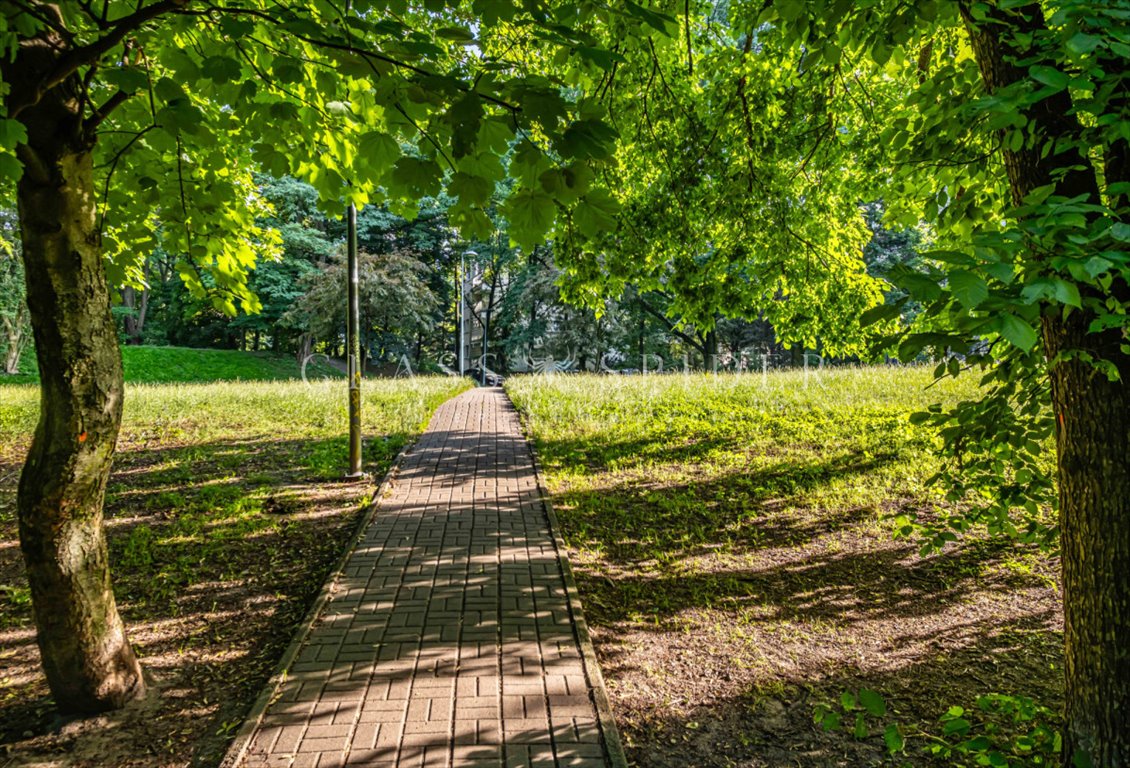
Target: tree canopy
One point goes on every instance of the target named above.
(717, 156)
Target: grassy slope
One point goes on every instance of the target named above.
(154, 365)
(224, 514)
(736, 562)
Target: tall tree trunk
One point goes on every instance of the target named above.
(89, 664)
(135, 321)
(1093, 445)
(305, 346)
(1093, 435)
(710, 349)
(639, 339)
(15, 329)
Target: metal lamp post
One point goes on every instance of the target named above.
(353, 348)
(462, 313)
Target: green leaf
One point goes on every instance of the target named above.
(128, 79)
(918, 285)
(416, 177)
(1097, 265)
(1067, 293)
(978, 744)
(660, 22)
(530, 213)
(379, 149)
(1082, 43)
(495, 135)
(493, 11)
(283, 110)
(969, 288)
(893, 738)
(958, 725)
(470, 189)
(287, 70)
(180, 62)
(168, 90)
(471, 222)
(456, 34)
(542, 105)
(601, 57)
(588, 139)
(880, 313)
(465, 116)
(872, 702)
(847, 701)
(1120, 231)
(1017, 332)
(596, 213)
(860, 731)
(1050, 77)
(529, 162)
(220, 69)
(12, 133)
(10, 167)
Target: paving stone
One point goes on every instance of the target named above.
(449, 640)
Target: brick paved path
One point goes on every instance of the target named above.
(449, 639)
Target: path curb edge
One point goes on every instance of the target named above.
(612, 742)
(237, 751)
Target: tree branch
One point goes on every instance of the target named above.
(670, 325)
(102, 112)
(70, 62)
(364, 53)
(690, 51)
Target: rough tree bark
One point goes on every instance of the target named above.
(135, 322)
(1093, 428)
(87, 658)
(15, 330)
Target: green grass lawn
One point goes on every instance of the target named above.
(225, 512)
(157, 365)
(733, 542)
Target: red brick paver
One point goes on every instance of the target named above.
(449, 640)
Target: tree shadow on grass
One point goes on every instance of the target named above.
(725, 606)
(597, 454)
(671, 516)
(214, 639)
(890, 582)
(765, 720)
(216, 551)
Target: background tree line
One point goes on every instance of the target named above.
(409, 278)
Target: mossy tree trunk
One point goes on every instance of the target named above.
(87, 658)
(1092, 417)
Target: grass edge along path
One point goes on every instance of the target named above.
(238, 748)
(224, 512)
(451, 635)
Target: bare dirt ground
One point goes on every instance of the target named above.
(733, 541)
(717, 655)
(218, 551)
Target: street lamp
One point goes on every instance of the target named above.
(461, 314)
(353, 347)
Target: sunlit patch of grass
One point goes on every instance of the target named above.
(157, 365)
(224, 512)
(733, 540)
